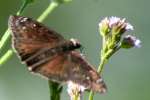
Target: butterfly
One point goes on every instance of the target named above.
(47, 53)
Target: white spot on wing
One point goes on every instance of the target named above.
(34, 25)
(73, 41)
(24, 28)
(24, 20)
(30, 69)
(88, 78)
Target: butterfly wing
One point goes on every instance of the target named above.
(84, 73)
(30, 36)
(71, 66)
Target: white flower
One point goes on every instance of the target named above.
(75, 90)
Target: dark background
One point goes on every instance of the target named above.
(127, 73)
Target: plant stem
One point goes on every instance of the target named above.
(49, 9)
(91, 95)
(101, 65)
(104, 58)
(4, 38)
(6, 57)
(55, 90)
(24, 5)
(100, 68)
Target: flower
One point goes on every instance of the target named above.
(75, 90)
(113, 21)
(130, 41)
(114, 25)
(104, 27)
(116, 21)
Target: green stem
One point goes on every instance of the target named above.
(104, 58)
(6, 57)
(4, 38)
(50, 8)
(24, 5)
(101, 65)
(91, 95)
(55, 90)
(100, 68)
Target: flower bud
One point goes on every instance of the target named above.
(130, 41)
(104, 27)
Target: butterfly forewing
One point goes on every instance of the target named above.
(30, 36)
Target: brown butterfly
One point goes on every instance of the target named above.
(47, 53)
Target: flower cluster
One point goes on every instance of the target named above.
(115, 25)
(113, 29)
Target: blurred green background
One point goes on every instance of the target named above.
(127, 74)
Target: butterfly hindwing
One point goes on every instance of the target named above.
(71, 66)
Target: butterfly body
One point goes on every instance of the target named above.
(47, 53)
